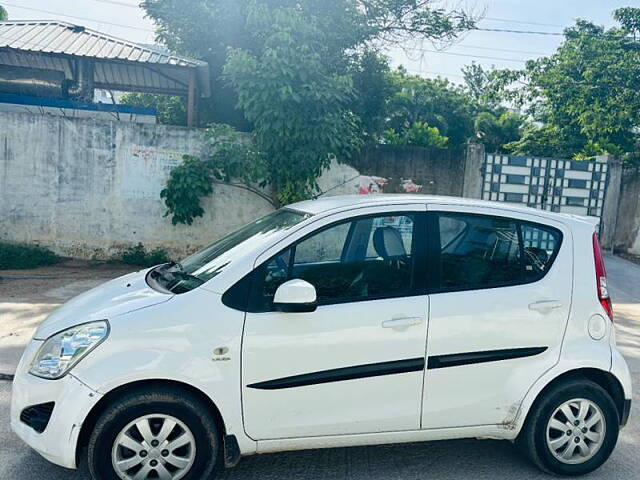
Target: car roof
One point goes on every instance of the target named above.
(343, 202)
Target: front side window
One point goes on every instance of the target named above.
(478, 251)
(365, 258)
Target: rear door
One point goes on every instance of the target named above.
(499, 303)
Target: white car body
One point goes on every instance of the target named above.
(194, 340)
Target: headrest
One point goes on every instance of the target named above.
(388, 243)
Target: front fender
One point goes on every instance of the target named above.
(178, 341)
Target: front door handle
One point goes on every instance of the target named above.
(545, 306)
(402, 322)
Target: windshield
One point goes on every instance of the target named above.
(202, 266)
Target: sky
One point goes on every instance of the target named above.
(124, 19)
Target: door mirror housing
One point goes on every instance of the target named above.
(296, 296)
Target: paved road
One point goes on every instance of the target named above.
(460, 459)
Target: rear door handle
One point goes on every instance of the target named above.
(402, 322)
(545, 306)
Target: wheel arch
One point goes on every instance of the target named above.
(94, 414)
(603, 378)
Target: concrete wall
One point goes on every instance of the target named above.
(627, 228)
(89, 188)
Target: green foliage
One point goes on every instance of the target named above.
(419, 134)
(584, 98)
(13, 256)
(171, 110)
(139, 256)
(207, 29)
(478, 83)
(300, 74)
(494, 131)
(187, 183)
(232, 160)
(296, 103)
(437, 102)
(4, 16)
(373, 85)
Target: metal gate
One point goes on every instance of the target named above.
(557, 185)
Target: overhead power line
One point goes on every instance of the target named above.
(528, 32)
(484, 57)
(115, 2)
(522, 22)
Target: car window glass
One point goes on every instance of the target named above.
(325, 246)
(402, 223)
(369, 257)
(484, 252)
(540, 245)
(276, 271)
(450, 229)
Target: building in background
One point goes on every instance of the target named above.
(58, 68)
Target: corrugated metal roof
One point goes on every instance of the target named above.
(50, 36)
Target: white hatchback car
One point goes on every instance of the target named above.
(342, 321)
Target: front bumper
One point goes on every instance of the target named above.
(73, 401)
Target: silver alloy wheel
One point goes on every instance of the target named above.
(155, 446)
(575, 431)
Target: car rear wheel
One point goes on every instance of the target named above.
(572, 429)
(159, 434)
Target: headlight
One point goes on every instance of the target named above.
(63, 350)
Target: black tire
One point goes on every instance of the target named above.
(533, 440)
(135, 404)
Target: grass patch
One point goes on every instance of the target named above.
(14, 256)
(140, 257)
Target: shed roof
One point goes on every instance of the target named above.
(119, 64)
(52, 36)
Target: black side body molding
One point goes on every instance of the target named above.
(458, 359)
(342, 374)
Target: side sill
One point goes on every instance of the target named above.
(337, 441)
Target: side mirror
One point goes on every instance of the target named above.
(296, 296)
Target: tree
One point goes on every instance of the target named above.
(206, 29)
(297, 104)
(477, 81)
(372, 86)
(584, 98)
(4, 16)
(295, 71)
(496, 130)
(419, 134)
(437, 102)
(171, 110)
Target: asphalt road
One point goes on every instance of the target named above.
(459, 459)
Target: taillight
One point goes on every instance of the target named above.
(601, 278)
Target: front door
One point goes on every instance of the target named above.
(355, 365)
(497, 312)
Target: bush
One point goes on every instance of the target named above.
(13, 256)
(139, 256)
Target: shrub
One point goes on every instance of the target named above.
(139, 256)
(14, 256)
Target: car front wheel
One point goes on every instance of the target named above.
(158, 434)
(572, 429)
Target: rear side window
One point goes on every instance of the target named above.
(478, 251)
